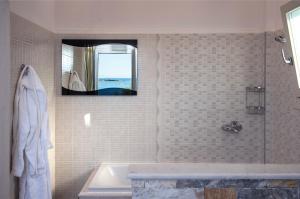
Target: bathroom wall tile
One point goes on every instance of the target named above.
(33, 45)
(202, 80)
(160, 184)
(219, 193)
(140, 193)
(192, 183)
(198, 86)
(267, 193)
(223, 188)
(237, 183)
(282, 123)
(138, 183)
(122, 129)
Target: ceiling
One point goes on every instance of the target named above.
(151, 16)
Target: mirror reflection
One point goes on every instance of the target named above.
(99, 67)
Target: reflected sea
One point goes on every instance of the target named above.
(114, 83)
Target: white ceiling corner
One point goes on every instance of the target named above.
(151, 16)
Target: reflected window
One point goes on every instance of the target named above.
(99, 67)
(115, 64)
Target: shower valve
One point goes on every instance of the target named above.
(232, 127)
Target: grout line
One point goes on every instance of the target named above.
(265, 94)
(157, 96)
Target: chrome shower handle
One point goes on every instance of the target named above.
(232, 127)
(282, 39)
(288, 60)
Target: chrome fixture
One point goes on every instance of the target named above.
(287, 60)
(232, 127)
(255, 103)
(281, 39)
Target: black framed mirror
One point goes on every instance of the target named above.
(99, 67)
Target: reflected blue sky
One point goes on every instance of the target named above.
(114, 65)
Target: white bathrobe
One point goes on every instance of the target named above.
(31, 139)
(75, 83)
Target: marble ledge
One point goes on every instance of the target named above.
(213, 171)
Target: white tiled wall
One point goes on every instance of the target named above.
(123, 128)
(189, 85)
(33, 45)
(202, 86)
(283, 113)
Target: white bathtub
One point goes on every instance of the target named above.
(108, 181)
(112, 180)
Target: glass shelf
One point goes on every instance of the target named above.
(255, 109)
(255, 103)
(255, 89)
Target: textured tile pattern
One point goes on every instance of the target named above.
(33, 45)
(239, 183)
(237, 189)
(201, 86)
(202, 80)
(123, 129)
(283, 106)
(268, 193)
(219, 193)
(168, 194)
(163, 189)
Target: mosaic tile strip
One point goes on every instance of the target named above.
(240, 189)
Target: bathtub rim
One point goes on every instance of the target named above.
(85, 192)
(210, 171)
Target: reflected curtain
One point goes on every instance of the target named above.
(90, 68)
(133, 70)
